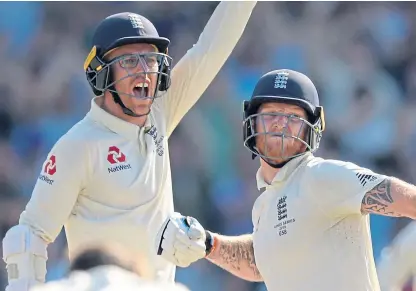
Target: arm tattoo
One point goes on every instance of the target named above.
(379, 199)
(236, 255)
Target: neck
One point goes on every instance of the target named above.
(268, 172)
(107, 103)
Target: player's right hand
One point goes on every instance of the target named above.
(181, 240)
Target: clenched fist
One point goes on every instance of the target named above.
(182, 240)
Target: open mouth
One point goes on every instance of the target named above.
(275, 134)
(141, 90)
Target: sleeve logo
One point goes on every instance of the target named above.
(364, 178)
(50, 166)
(49, 169)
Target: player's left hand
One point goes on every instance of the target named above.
(181, 240)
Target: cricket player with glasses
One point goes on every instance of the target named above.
(108, 178)
(311, 226)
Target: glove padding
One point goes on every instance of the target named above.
(181, 240)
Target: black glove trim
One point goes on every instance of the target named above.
(209, 243)
(159, 249)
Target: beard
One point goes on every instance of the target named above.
(271, 147)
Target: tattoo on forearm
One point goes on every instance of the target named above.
(237, 255)
(379, 199)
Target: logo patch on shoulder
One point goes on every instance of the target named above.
(50, 166)
(49, 169)
(364, 178)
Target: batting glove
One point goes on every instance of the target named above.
(182, 240)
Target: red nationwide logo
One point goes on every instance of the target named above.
(50, 166)
(115, 156)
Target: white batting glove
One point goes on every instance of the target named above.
(181, 240)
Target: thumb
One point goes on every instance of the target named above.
(196, 231)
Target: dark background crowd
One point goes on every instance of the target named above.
(361, 56)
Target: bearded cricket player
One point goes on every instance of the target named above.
(397, 264)
(311, 222)
(108, 178)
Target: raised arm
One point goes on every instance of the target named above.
(196, 70)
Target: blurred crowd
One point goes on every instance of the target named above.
(360, 55)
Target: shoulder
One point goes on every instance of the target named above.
(77, 139)
(86, 131)
(327, 168)
(319, 165)
(327, 172)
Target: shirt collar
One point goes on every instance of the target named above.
(284, 172)
(115, 124)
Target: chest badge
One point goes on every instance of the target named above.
(282, 216)
(117, 159)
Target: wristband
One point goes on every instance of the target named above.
(209, 243)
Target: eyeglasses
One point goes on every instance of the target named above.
(147, 60)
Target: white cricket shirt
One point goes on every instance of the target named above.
(309, 233)
(109, 180)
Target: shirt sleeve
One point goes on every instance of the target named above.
(398, 261)
(339, 187)
(196, 70)
(62, 178)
